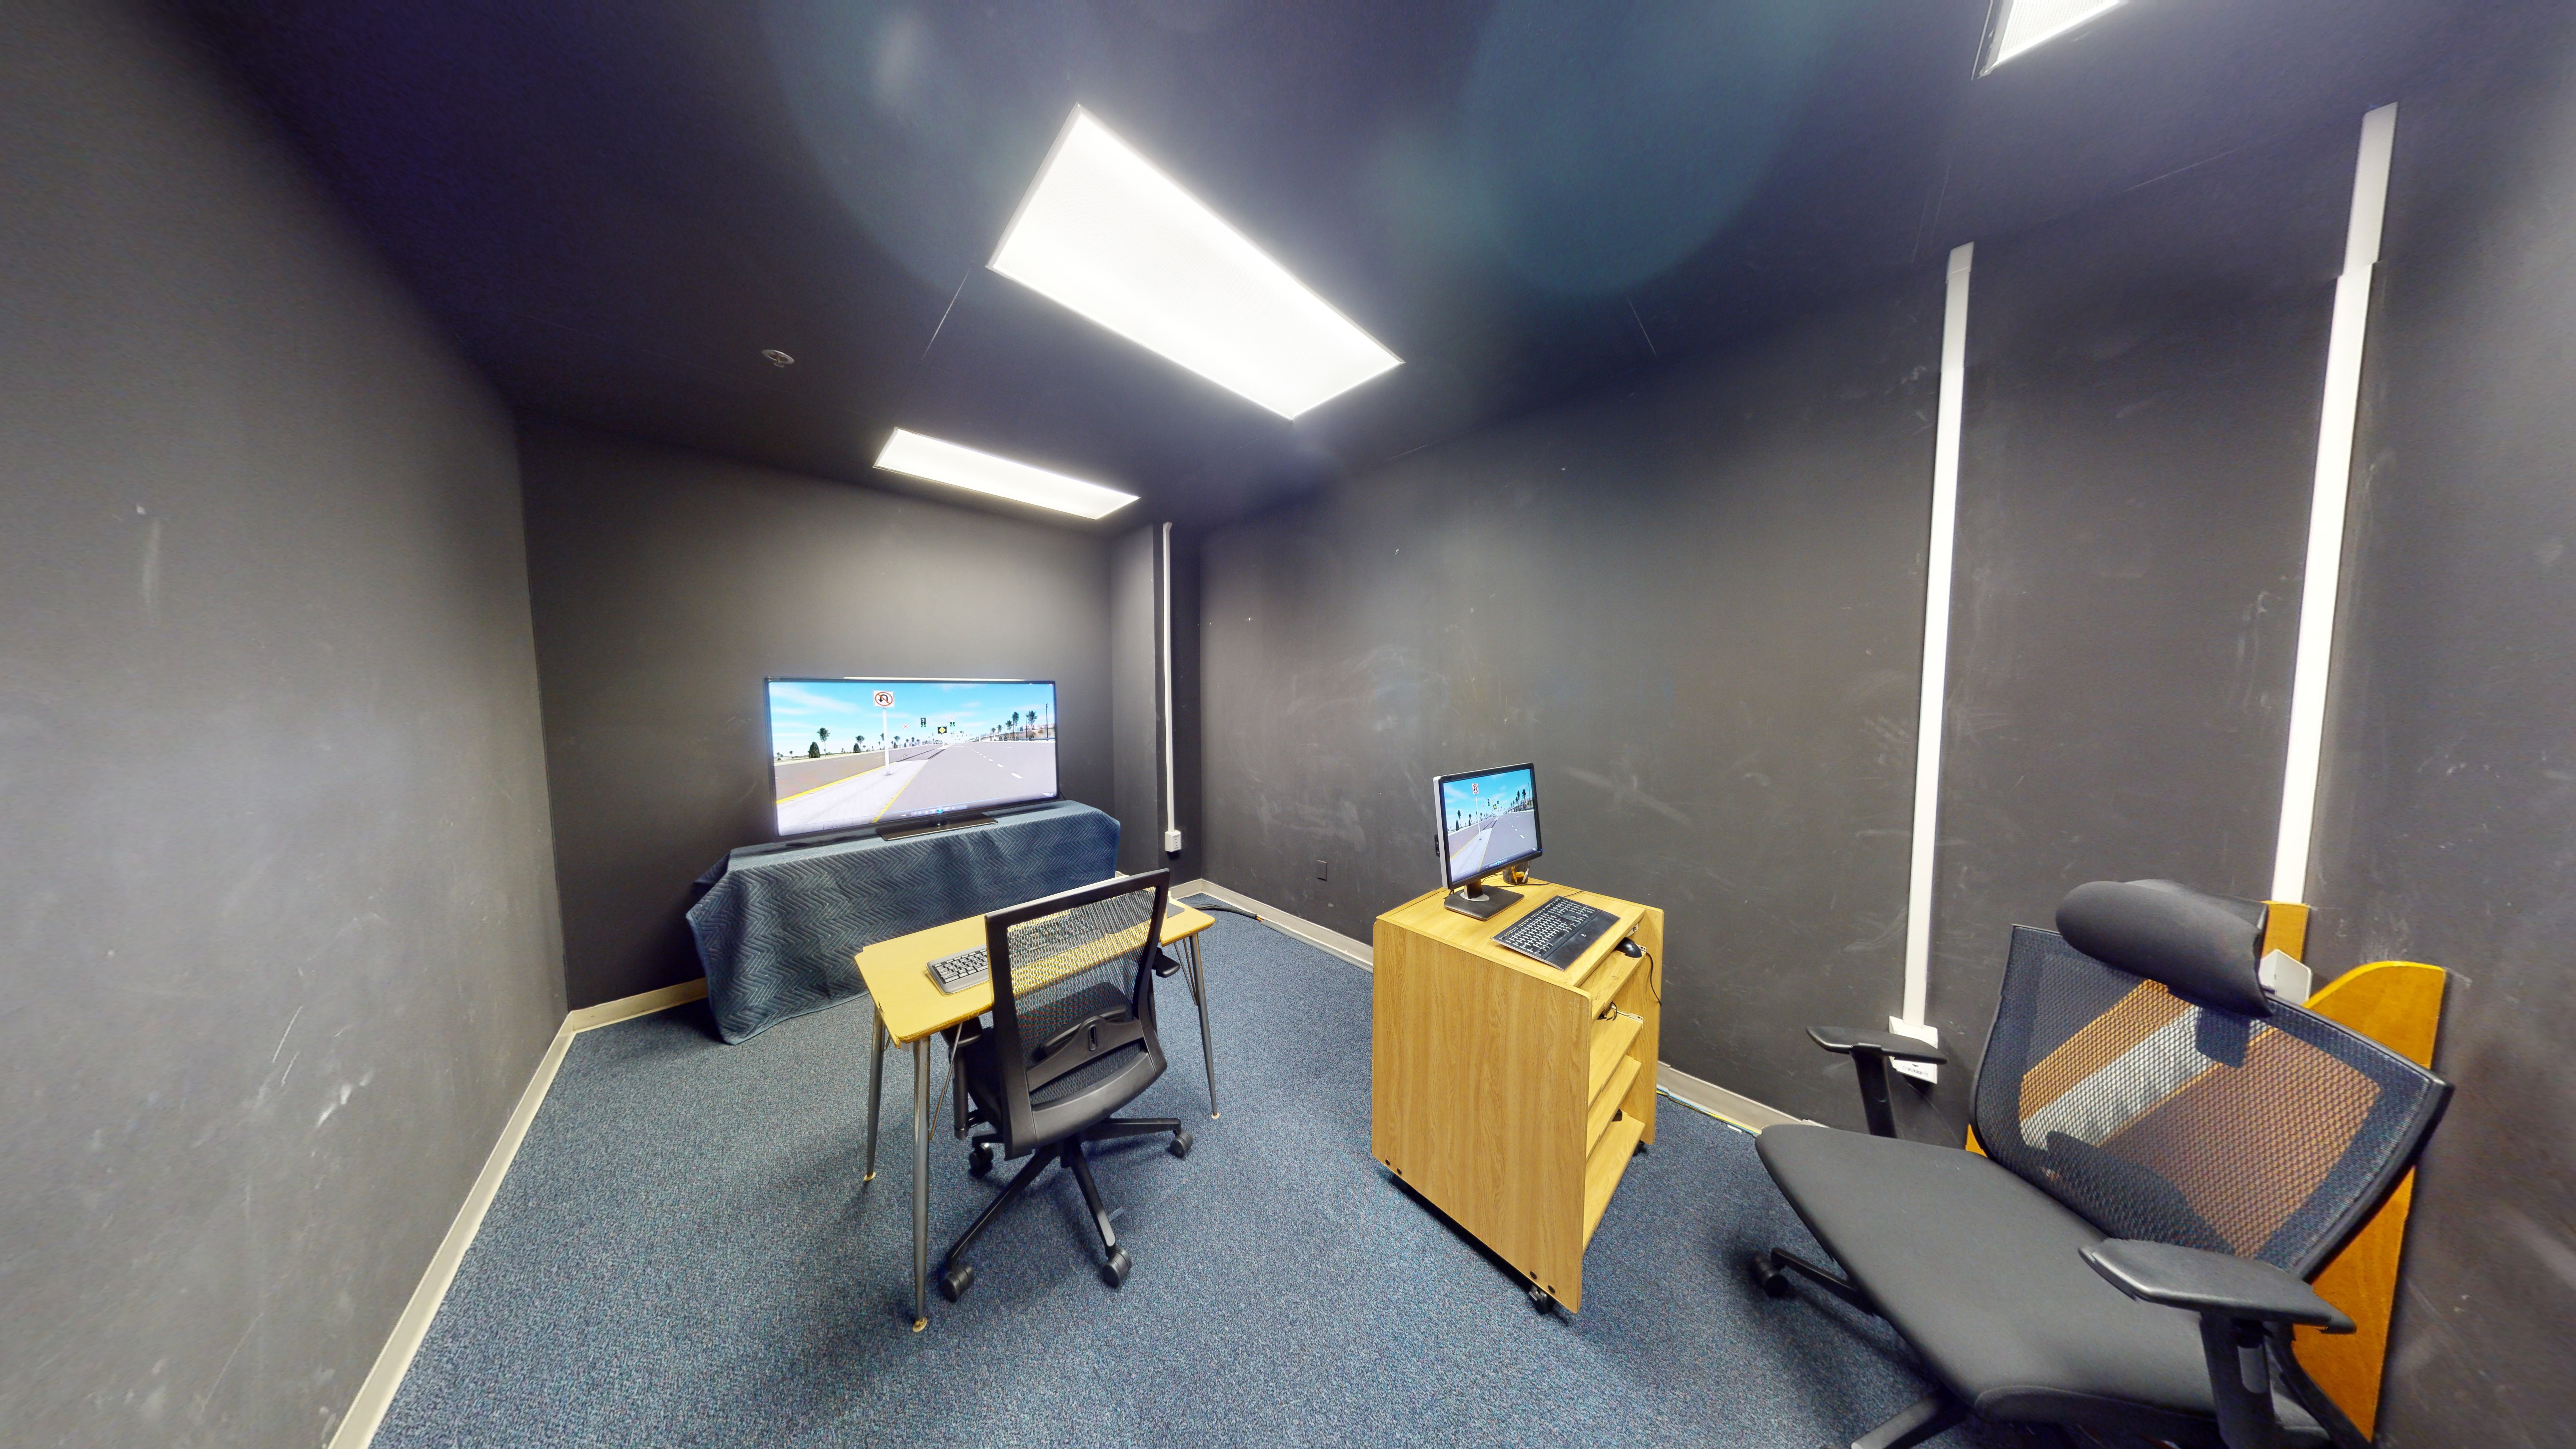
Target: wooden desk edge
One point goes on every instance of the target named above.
(897, 973)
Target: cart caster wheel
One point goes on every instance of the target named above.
(980, 1161)
(955, 1282)
(1768, 1277)
(1182, 1141)
(1115, 1271)
(1541, 1299)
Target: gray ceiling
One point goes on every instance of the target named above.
(616, 207)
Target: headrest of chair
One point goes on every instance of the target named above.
(2207, 948)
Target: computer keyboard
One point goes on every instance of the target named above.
(956, 973)
(1558, 932)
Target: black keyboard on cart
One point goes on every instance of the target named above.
(1558, 932)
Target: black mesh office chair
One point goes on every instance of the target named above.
(1072, 1041)
(2173, 1155)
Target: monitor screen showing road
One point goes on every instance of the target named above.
(1487, 820)
(852, 752)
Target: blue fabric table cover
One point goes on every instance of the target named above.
(778, 925)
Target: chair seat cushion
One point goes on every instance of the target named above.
(1985, 1275)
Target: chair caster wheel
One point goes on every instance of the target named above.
(980, 1161)
(1115, 1271)
(955, 1282)
(1541, 1299)
(1768, 1277)
(1181, 1143)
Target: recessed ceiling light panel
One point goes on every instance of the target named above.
(2026, 23)
(1109, 236)
(941, 461)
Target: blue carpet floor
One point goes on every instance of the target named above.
(684, 1255)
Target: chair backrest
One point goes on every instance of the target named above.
(1073, 1003)
(2269, 1134)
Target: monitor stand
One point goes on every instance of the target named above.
(953, 822)
(1479, 902)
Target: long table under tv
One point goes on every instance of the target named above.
(779, 924)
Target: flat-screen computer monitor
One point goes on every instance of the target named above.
(1488, 821)
(850, 753)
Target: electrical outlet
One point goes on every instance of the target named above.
(1323, 870)
(1171, 842)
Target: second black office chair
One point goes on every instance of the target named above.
(2173, 1155)
(1072, 1041)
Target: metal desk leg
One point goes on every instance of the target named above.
(1207, 1034)
(921, 1094)
(876, 1083)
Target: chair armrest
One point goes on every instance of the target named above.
(1841, 1039)
(1870, 1052)
(2244, 1289)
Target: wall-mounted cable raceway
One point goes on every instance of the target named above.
(1163, 608)
(2326, 507)
(1936, 652)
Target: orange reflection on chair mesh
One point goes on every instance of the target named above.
(2103, 1040)
(2247, 1145)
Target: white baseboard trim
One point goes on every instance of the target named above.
(1358, 953)
(1730, 1107)
(376, 1395)
(627, 1008)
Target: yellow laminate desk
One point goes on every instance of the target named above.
(1509, 1093)
(912, 1011)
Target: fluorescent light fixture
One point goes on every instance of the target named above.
(945, 462)
(2027, 23)
(1104, 233)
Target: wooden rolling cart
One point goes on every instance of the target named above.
(1509, 1093)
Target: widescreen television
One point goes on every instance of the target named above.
(1488, 820)
(845, 754)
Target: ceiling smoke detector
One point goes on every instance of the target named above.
(777, 358)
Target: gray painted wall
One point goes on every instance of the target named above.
(280, 942)
(2138, 450)
(2448, 827)
(1696, 601)
(669, 584)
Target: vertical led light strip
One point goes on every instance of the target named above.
(2326, 506)
(1163, 606)
(1936, 633)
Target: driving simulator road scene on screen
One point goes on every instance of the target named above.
(1488, 818)
(850, 752)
